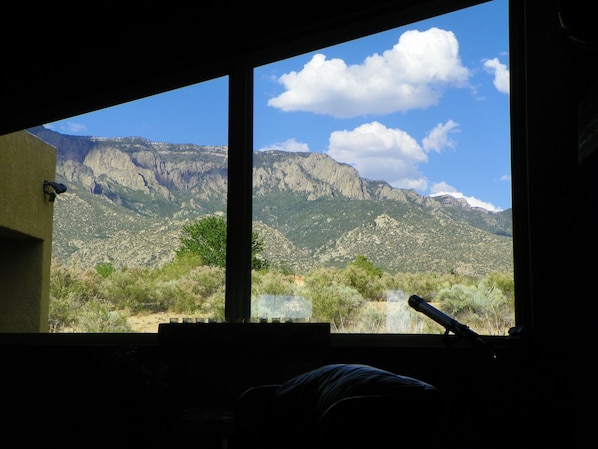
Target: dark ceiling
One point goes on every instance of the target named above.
(58, 62)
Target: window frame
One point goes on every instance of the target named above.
(239, 202)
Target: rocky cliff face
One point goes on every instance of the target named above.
(129, 198)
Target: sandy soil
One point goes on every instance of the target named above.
(149, 323)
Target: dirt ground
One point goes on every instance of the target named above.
(149, 323)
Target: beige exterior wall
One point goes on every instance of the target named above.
(26, 223)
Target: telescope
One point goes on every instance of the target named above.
(448, 322)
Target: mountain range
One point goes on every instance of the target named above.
(128, 200)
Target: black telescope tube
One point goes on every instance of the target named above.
(449, 323)
(442, 318)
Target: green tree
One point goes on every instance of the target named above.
(362, 275)
(366, 265)
(257, 248)
(206, 238)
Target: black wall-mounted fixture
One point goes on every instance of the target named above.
(52, 188)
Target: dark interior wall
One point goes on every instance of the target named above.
(576, 321)
(562, 189)
(562, 215)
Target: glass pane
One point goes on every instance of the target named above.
(381, 171)
(131, 248)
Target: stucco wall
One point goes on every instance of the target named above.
(26, 222)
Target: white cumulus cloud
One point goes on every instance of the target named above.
(413, 74)
(442, 188)
(438, 138)
(287, 145)
(381, 153)
(500, 72)
(68, 128)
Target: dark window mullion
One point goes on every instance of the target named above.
(240, 190)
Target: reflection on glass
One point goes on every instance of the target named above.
(287, 308)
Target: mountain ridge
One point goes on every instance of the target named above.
(129, 198)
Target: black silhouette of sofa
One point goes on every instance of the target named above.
(343, 406)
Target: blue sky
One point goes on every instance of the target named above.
(424, 106)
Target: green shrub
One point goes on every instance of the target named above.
(98, 317)
(332, 301)
(370, 319)
(272, 282)
(105, 269)
(351, 299)
(484, 308)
